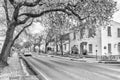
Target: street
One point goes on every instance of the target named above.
(52, 68)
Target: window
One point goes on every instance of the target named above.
(119, 47)
(90, 48)
(118, 32)
(65, 46)
(74, 35)
(82, 33)
(109, 31)
(109, 48)
(89, 33)
(56, 47)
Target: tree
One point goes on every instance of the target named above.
(27, 44)
(19, 12)
(60, 24)
(16, 17)
(37, 41)
(49, 37)
(34, 38)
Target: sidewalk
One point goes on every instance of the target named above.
(15, 71)
(89, 60)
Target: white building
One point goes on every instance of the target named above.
(106, 41)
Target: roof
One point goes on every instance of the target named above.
(114, 23)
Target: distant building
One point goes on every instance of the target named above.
(65, 44)
(105, 42)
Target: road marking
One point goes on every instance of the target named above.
(110, 68)
(74, 75)
(111, 74)
(78, 77)
(41, 73)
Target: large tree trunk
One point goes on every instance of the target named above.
(39, 48)
(56, 47)
(46, 47)
(61, 45)
(34, 50)
(7, 46)
(56, 44)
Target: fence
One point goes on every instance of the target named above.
(111, 57)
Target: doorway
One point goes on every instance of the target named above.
(83, 49)
(119, 48)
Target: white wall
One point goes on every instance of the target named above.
(113, 39)
(95, 41)
(67, 46)
(75, 41)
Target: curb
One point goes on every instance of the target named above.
(35, 71)
(24, 68)
(109, 62)
(72, 59)
(89, 61)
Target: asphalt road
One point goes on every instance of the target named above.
(52, 68)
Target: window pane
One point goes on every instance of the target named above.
(109, 31)
(109, 48)
(74, 35)
(118, 32)
(90, 48)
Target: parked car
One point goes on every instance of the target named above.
(27, 54)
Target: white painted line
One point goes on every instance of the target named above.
(111, 74)
(42, 74)
(110, 68)
(74, 75)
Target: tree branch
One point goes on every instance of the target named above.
(74, 13)
(16, 11)
(6, 11)
(16, 37)
(31, 4)
(13, 3)
(68, 7)
(67, 10)
(17, 7)
(19, 22)
(45, 12)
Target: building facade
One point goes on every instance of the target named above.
(105, 42)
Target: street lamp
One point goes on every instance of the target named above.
(96, 52)
(96, 55)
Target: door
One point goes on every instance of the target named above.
(119, 48)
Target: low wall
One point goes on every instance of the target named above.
(111, 57)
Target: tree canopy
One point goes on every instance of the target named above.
(21, 12)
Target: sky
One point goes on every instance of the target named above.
(116, 16)
(39, 28)
(36, 28)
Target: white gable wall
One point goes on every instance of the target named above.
(113, 39)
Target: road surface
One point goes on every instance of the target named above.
(52, 68)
